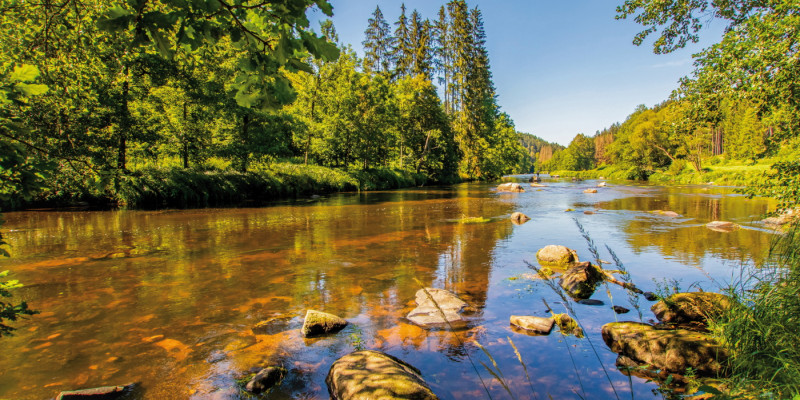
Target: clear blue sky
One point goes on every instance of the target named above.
(560, 67)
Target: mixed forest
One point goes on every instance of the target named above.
(207, 102)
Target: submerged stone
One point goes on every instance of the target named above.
(373, 375)
(532, 324)
(519, 218)
(320, 323)
(437, 308)
(99, 393)
(620, 310)
(722, 226)
(670, 350)
(510, 187)
(265, 379)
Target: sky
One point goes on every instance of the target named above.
(560, 67)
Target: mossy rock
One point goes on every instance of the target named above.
(567, 325)
(688, 308)
(670, 350)
(320, 323)
(556, 255)
(581, 280)
(373, 375)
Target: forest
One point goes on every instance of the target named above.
(200, 103)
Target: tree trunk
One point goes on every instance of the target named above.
(185, 154)
(122, 145)
(245, 154)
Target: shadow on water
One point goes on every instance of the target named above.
(169, 298)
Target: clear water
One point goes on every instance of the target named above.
(168, 298)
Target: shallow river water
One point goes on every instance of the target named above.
(168, 298)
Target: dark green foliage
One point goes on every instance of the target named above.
(180, 188)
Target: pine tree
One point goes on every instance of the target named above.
(421, 46)
(460, 45)
(378, 43)
(402, 53)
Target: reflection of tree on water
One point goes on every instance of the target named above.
(686, 238)
(193, 275)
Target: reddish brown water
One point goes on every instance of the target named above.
(168, 298)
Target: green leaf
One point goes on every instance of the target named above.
(30, 89)
(24, 73)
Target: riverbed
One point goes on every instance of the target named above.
(168, 298)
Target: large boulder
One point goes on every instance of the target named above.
(320, 323)
(722, 226)
(555, 255)
(691, 308)
(100, 393)
(265, 379)
(437, 308)
(536, 325)
(581, 280)
(372, 375)
(670, 350)
(511, 187)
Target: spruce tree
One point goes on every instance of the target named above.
(402, 53)
(441, 51)
(378, 43)
(421, 46)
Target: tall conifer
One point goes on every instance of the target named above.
(420, 33)
(441, 51)
(402, 54)
(378, 43)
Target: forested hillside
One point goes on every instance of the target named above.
(200, 102)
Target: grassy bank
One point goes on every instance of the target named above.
(175, 187)
(717, 170)
(761, 329)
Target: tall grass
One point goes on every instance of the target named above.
(761, 331)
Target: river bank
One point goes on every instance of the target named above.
(157, 188)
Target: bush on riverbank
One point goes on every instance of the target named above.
(153, 187)
(717, 170)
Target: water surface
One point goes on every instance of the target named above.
(168, 298)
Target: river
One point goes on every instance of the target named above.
(168, 298)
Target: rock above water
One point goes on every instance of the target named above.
(533, 324)
(100, 393)
(601, 184)
(510, 187)
(650, 296)
(722, 226)
(567, 325)
(265, 379)
(428, 315)
(556, 255)
(591, 302)
(687, 308)
(620, 310)
(372, 375)
(590, 191)
(519, 218)
(670, 350)
(320, 323)
(580, 281)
